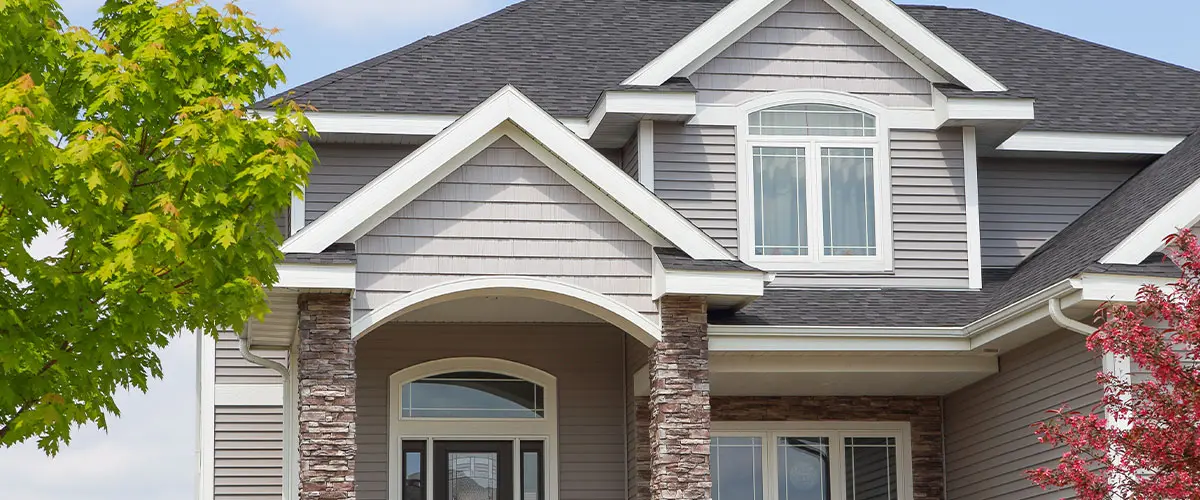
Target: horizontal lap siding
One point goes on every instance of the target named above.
(342, 169)
(231, 368)
(695, 172)
(248, 452)
(629, 160)
(503, 213)
(809, 45)
(929, 221)
(585, 359)
(989, 439)
(1024, 202)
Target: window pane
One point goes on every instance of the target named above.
(472, 395)
(531, 470)
(812, 120)
(803, 468)
(780, 206)
(737, 468)
(871, 469)
(414, 470)
(848, 187)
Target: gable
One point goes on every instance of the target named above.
(808, 44)
(503, 213)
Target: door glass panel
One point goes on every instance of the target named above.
(871, 469)
(803, 468)
(473, 475)
(531, 471)
(414, 470)
(737, 468)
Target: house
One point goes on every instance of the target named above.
(691, 249)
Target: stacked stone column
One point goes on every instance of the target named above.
(326, 375)
(680, 418)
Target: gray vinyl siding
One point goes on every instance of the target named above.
(929, 217)
(989, 441)
(248, 452)
(342, 169)
(630, 157)
(809, 45)
(586, 361)
(695, 172)
(503, 213)
(231, 368)
(1024, 202)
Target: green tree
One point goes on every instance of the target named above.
(136, 138)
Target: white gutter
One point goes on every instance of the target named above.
(1056, 313)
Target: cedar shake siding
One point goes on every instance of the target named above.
(587, 361)
(989, 439)
(809, 45)
(503, 213)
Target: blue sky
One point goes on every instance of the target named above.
(148, 454)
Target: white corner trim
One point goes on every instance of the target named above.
(645, 140)
(206, 379)
(928, 45)
(978, 109)
(1089, 142)
(316, 276)
(249, 394)
(705, 42)
(724, 283)
(1181, 212)
(296, 213)
(596, 304)
(974, 237)
(392, 189)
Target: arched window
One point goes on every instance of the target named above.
(472, 395)
(815, 184)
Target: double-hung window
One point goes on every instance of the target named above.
(815, 188)
(824, 461)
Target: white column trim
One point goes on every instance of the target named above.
(296, 212)
(206, 378)
(646, 153)
(974, 238)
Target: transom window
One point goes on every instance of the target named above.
(815, 185)
(472, 395)
(814, 464)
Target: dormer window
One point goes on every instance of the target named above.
(814, 184)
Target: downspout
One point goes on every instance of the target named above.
(244, 349)
(291, 474)
(1056, 313)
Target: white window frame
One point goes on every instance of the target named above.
(427, 429)
(836, 431)
(882, 261)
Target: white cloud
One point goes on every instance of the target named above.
(147, 454)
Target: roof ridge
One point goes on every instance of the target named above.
(421, 43)
(1083, 40)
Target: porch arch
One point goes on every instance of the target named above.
(620, 315)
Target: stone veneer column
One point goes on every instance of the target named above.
(679, 402)
(326, 375)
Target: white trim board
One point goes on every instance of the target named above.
(1181, 212)
(748, 284)
(507, 113)
(974, 237)
(249, 394)
(881, 19)
(1088, 142)
(316, 276)
(206, 381)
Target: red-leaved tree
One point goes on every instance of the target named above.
(1144, 442)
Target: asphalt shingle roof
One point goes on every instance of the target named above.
(1079, 86)
(337, 253)
(676, 259)
(562, 54)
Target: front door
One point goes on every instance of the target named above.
(472, 470)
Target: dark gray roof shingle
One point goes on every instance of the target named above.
(337, 253)
(561, 53)
(1099, 230)
(1156, 265)
(676, 259)
(1079, 86)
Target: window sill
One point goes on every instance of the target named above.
(872, 266)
